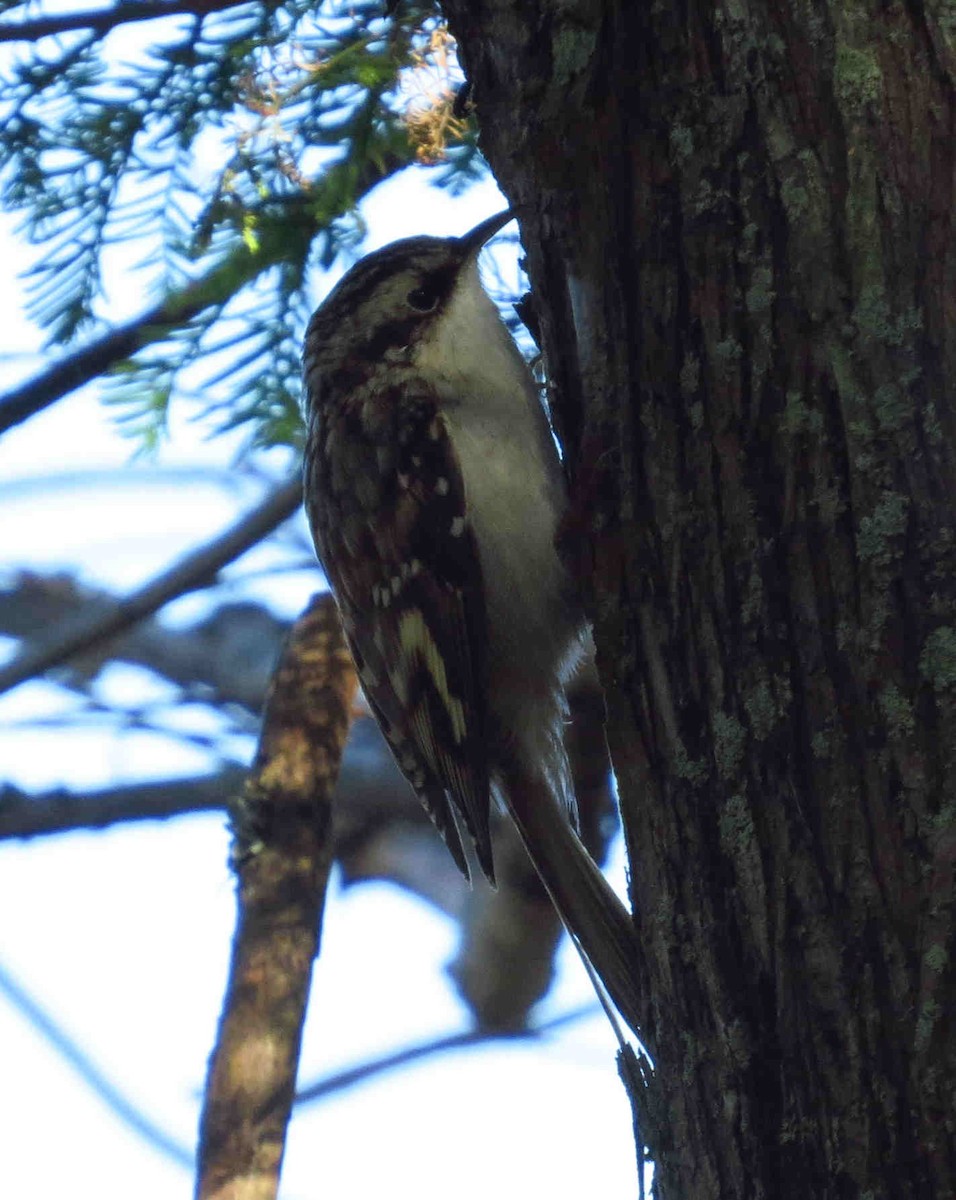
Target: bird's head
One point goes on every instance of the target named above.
(390, 301)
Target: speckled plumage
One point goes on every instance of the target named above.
(434, 492)
(375, 542)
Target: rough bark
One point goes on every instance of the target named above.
(738, 222)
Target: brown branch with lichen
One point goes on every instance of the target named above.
(283, 828)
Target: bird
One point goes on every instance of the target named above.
(435, 492)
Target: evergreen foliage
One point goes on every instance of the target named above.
(234, 140)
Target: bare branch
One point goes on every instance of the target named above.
(228, 656)
(352, 1076)
(197, 569)
(284, 851)
(102, 20)
(60, 811)
(373, 804)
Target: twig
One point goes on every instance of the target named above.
(352, 1076)
(283, 850)
(196, 569)
(120, 1105)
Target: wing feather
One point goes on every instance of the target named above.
(404, 566)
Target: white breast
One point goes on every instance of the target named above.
(515, 496)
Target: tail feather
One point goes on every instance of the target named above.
(592, 913)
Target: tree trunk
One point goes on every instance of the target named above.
(738, 221)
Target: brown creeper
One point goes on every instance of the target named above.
(434, 492)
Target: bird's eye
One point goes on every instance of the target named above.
(422, 299)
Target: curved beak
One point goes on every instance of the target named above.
(472, 242)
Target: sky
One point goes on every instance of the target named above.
(123, 936)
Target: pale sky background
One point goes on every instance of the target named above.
(123, 936)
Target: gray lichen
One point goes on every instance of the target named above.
(937, 663)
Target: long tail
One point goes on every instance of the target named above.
(593, 915)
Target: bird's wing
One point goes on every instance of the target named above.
(394, 537)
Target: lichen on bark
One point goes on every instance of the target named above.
(738, 225)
